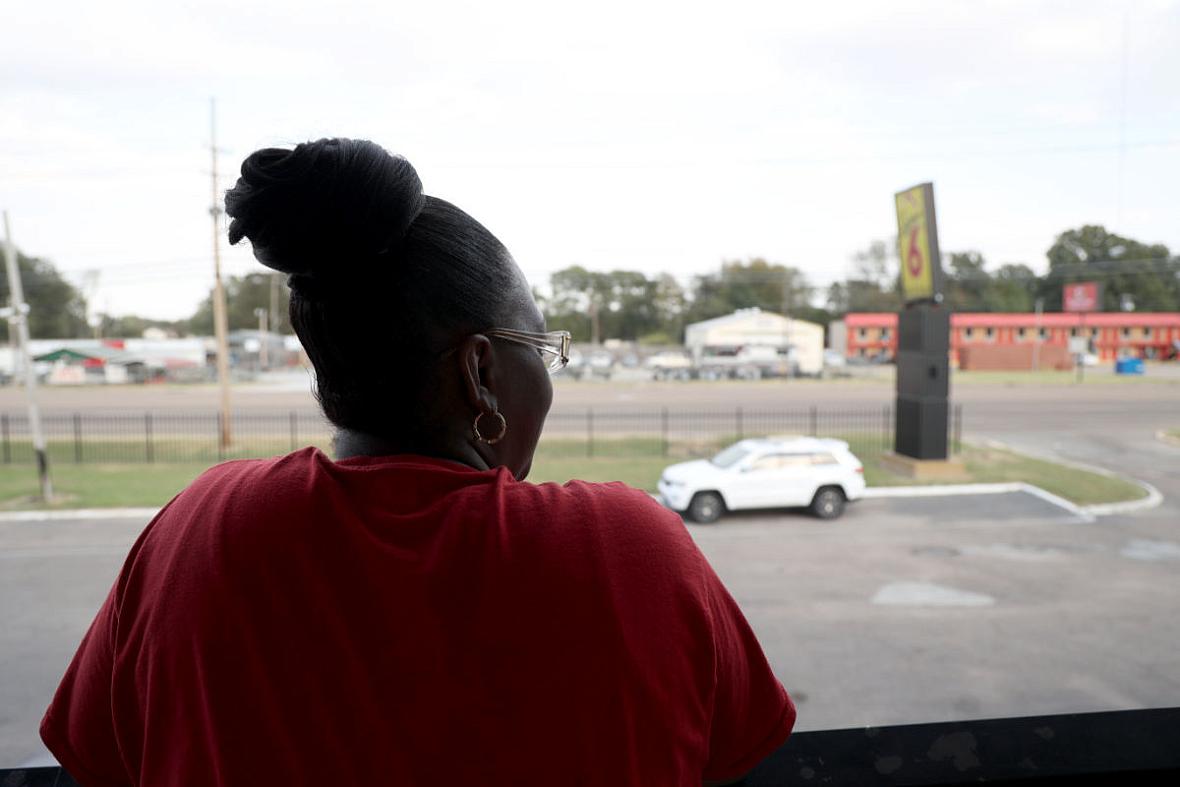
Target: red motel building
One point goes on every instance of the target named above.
(1111, 334)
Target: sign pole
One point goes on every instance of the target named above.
(1082, 297)
(923, 336)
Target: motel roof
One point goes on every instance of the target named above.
(1028, 319)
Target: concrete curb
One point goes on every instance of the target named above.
(1153, 499)
(1167, 439)
(66, 515)
(1151, 496)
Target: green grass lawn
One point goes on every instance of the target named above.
(636, 461)
(1091, 376)
(107, 485)
(993, 465)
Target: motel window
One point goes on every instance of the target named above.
(967, 333)
(884, 334)
(860, 333)
(1126, 333)
(1044, 333)
(990, 333)
(1020, 333)
(1073, 331)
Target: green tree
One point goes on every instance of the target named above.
(621, 304)
(966, 282)
(742, 285)
(668, 304)
(1147, 273)
(1013, 289)
(57, 309)
(873, 284)
(877, 264)
(243, 295)
(130, 326)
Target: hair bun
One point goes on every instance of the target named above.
(326, 209)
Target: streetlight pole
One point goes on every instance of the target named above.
(19, 321)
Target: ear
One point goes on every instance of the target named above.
(478, 371)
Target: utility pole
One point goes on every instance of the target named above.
(263, 338)
(19, 324)
(1038, 307)
(594, 327)
(274, 302)
(787, 319)
(220, 326)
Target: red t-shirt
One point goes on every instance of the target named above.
(405, 620)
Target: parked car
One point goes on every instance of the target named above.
(771, 472)
(834, 359)
(600, 364)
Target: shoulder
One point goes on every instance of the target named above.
(614, 500)
(623, 522)
(263, 481)
(244, 495)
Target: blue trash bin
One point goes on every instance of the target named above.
(1128, 366)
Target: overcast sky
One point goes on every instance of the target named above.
(651, 136)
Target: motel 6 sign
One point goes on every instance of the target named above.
(917, 244)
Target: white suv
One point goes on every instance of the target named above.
(771, 472)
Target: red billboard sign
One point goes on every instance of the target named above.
(1081, 296)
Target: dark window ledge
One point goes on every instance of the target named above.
(1136, 747)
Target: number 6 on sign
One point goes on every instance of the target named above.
(917, 240)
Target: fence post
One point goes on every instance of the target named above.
(958, 445)
(885, 429)
(77, 438)
(294, 429)
(4, 433)
(814, 421)
(664, 431)
(220, 432)
(737, 422)
(147, 437)
(589, 431)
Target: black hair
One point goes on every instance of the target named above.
(382, 276)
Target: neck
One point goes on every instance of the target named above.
(350, 442)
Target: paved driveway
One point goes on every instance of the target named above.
(949, 608)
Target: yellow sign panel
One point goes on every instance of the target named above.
(917, 242)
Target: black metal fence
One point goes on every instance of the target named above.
(117, 437)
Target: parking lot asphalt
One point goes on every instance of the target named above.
(904, 610)
(914, 610)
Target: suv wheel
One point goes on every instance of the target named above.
(706, 507)
(828, 502)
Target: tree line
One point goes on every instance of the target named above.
(632, 305)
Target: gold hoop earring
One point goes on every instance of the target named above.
(489, 440)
